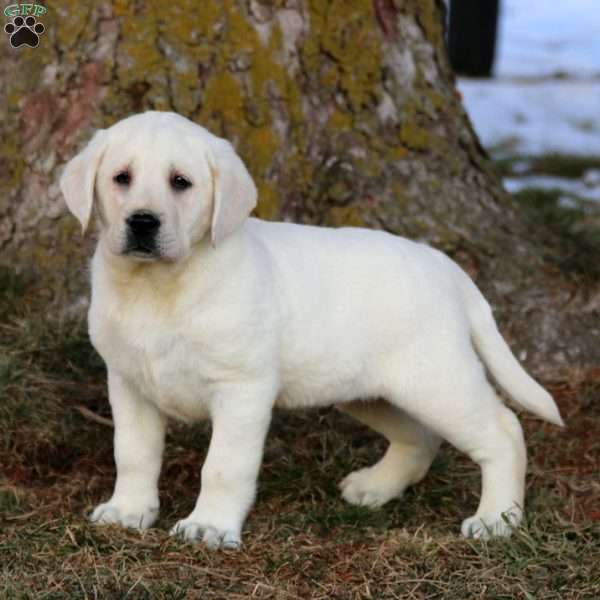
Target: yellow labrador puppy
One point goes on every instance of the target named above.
(200, 311)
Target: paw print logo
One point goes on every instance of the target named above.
(24, 32)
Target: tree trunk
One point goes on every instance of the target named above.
(345, 113)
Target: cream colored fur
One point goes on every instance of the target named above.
(236, 315)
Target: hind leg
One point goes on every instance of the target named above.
(503, 460)
(460, 405)
(410, 453)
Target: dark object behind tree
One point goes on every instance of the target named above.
(472, 36)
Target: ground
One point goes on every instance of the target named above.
(301, 540)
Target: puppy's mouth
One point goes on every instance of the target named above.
(142, 254)
(141, 249)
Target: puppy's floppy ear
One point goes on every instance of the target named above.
(79, 178)
(234, 192)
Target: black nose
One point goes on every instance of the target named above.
(143, 223)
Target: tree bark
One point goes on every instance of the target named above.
(345, 113)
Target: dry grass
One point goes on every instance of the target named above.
(301, 540)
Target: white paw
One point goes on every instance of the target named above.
(487, 526)
(128, 516)
(196, 530)
(370, 487)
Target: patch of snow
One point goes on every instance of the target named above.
(525, 109)
(540, 38)
(575, 187)
(515, 117)
(591, 178)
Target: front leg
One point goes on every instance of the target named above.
(240, 419)
(139, 443)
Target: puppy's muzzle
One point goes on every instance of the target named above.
(142, 230)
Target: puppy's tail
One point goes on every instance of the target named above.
(499, 359)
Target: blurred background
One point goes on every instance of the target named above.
(538, 113)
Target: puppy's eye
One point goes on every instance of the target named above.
(180, 183)
(122, 178)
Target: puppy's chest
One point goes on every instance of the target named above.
(167, 366)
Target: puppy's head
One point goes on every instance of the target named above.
(160, 183)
